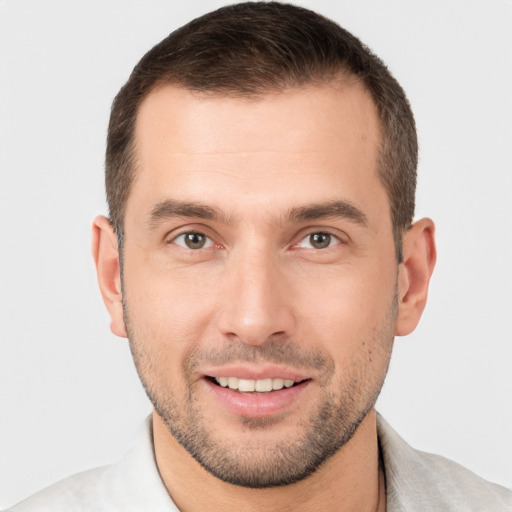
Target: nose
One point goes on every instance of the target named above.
(256, 299)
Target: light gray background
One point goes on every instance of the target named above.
(70, 398)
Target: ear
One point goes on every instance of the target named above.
(419, 250)
(106, 256)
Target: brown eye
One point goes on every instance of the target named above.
(320, 240)
(193, 240)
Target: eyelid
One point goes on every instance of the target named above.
(334, 238)
(206, 231)
(340, 236)
(208, 243)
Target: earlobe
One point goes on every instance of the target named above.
(106, 257)
(419, 251)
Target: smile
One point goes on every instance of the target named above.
(254, 398)
(254, 385)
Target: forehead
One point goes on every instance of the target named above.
(304, 141)
(342, 108)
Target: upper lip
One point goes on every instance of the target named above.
(245, 371)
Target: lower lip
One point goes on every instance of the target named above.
(257, 405)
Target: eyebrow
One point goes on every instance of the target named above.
(332, 209)
(340, 208)
(171, 208)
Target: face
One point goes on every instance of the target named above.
(259, 275)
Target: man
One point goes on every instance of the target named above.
(260, 256)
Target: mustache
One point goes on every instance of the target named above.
(272, 351)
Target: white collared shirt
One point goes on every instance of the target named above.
(415, 481)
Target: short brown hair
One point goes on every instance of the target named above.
(254, 48)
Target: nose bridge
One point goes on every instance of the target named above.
(255, 303)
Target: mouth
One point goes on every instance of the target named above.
(257, 397)
(255, 386)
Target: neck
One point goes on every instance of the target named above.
(351, 480)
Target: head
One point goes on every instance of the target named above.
(260, 177)
(252, 49)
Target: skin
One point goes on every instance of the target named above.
(259, 285)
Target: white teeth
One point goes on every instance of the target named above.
(246, 385)
(250, 385)
(233, 382)
(263, 385)
(277, 383)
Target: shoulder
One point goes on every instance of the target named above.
(130, 485)
(423, 481)
(78, 492)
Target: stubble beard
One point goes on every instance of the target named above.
(254, 463)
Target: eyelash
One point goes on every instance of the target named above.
(208, 241)
(330, 236)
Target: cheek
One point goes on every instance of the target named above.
(351, 315)
(358, 335)
(168, 308)
(346, 300)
